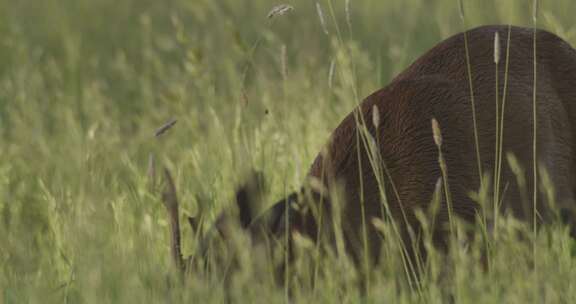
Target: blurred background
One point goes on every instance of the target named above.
(85, 83)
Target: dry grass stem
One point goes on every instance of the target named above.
(321, 17)
(279, 10)
(167, 126)
(170, 201)
(461, 9)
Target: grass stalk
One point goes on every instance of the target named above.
(534, 148)
(501, 136)
(437, 133)
(471, 87)
(363, 134)
(497, 120)
(379, 168)
(356, 97)
(363, 211)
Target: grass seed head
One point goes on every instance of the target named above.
(279, 10)
(496, 48)
(436, 132)
(375, 116)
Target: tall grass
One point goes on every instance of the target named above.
(535, 141)
(85, 84)
(500, 149)
(471, 88)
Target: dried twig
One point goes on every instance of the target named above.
(165, 127)
(170, 201)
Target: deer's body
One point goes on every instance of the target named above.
(437, 86)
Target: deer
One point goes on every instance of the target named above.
(458, 85)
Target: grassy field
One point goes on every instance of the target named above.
(85, 83)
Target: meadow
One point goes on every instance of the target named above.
(84, 84)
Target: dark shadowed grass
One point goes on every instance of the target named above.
(85, 84)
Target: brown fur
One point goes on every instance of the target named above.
(436, 85)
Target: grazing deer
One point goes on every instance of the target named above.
(438, 86)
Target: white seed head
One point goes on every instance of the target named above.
(375, 116)
(436, 132)
(496, 48)
(279, 10)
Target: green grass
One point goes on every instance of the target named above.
(84, 84)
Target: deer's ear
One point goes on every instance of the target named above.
(244, 208)
(248, 196)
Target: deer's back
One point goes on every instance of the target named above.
(437, 85)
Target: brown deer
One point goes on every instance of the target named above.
(438, 85)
